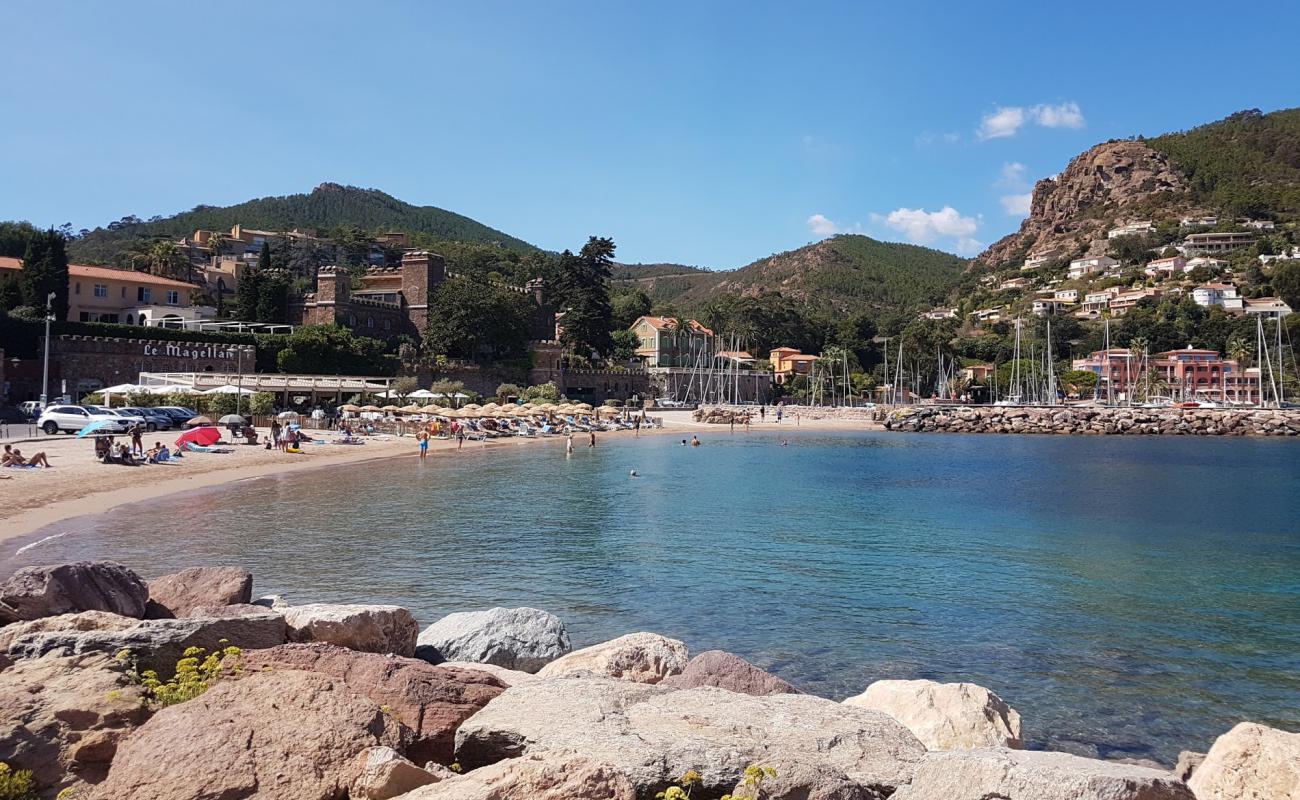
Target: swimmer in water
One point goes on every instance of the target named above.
(695, 441)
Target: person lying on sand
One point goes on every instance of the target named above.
(13, 457)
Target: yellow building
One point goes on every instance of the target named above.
(787, 362)
(662, 345)
(101, 294)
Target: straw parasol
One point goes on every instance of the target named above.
(471, 407)
(431, 409)
(370, 408)
(411, 409)
(583, 406)
(350, 408)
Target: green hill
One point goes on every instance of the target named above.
(1245, 165)
(843, 273)
(328, 207)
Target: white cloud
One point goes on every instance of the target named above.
(925, 227)
(821, 225)
(1013, 175)
(929, 138)
(1006, 121)
(967, 246)
(1017, 205)
(1001, 123)
(1065, 115)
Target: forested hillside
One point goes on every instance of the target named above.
(328, 208)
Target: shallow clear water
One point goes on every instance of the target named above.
(1129, 596)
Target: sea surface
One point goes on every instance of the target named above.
(1131, 597)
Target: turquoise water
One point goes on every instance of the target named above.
(1130, 596)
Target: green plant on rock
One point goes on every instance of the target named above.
(195, 673)
(16, 784)
(685, 785)
(751, 786)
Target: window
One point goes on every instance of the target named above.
(370, 322)
(173, 297)
(101, 290)
(144, 294)
(77, 289)
(388, 324)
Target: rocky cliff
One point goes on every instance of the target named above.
(1112, 182)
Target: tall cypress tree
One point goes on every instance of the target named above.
(584, 289)
(45, 270)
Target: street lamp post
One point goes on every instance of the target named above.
(45, 369)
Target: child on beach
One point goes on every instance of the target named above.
(423, 436)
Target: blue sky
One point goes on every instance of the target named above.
(709, 133)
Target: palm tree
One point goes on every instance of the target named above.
(217, 244)
(1238, 350)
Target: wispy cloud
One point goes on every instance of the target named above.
(1017, 205)
(823, 226)
(930, 137)
(945, 226)
(1012, 175)
(1005, 121)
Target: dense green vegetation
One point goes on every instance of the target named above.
(1245, 165)
(331, 209)
(846, 274)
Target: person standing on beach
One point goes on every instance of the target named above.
(568, 445)
(779, 414)
(137, 433)
(275, 433)
(733, 424)
(591, 442)
(423, 437)
(762, 413)
(746, 423)
(636, 428)
(460, 434)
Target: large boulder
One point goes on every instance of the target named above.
(63, 716)
(637, 657)
(385, 774)
(524, 639)
(983, 774)
(796, 780)
(431, 701)
(727, 671)
(35, 592)
(1250, 762)
(368, 628)
(507, 677)
(565, 776)
(945, 716)
(82, 621)
(653, 734)
(157, 644)
(180, 593)
(282, 735)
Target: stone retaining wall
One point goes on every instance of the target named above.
(723, 414)
(1173, 421)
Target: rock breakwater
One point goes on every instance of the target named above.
(1094, 420)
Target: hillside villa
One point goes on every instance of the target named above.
(1166, 266)
(1215, 242)
(1141, 228)
(1087, 266)
(101, 294)
(662, 345)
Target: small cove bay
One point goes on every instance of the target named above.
(1131, 597)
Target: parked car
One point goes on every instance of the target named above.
(73, 418)
(179, 414)
(132, 418)
(30, 408)
(154, 420)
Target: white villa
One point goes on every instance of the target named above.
(1087, 266)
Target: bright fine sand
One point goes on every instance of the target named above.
(77, 485)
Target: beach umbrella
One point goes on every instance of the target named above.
(472, 407)
(199, 421)
(409, 409)
(350, 408)
(583, 406)
(229, 389)
(121, 388)
(430, 409)
(95, 425)
(203, 436)
(174, 388)
(390, 408)
(421, 394)
(287, 415)
(231, 419)
(370, 408)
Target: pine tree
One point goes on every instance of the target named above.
(11, 294)
(264, 257)
(45, 270)
(584, 288)
(247, 294)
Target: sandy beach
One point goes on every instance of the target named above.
(78, 485)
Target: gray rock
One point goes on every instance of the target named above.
(653, 734)
(558, 776)
(524, 639)
(796, 780)
(35, 592)
(983, 774)
(727, 671)
(367, 628)
(83, 621)
(180, 593)
(157, 643)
